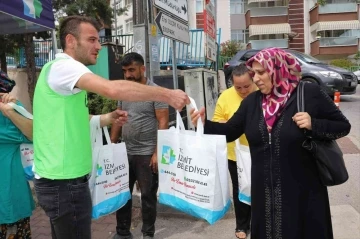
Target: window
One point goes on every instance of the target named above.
(120, 30)
(128, 2)
(119, 4)
(339, 33)
(199, 6)
(237, 6)
(128, 25)
(238, 35)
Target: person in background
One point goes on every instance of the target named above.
(227, 104)
(16, 202)
(140, 136)
(288, 199)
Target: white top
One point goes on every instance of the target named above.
(64, 75)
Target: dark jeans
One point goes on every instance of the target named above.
(139, 170)
(68, 205)
(242, 210)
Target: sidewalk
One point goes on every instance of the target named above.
(172, 224)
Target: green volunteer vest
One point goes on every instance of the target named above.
(61, 132)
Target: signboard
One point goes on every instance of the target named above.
(210, 31)
(172, 28)
(178, 8)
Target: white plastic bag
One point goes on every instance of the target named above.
(109, 181)
(193, 174)
(243, 162)
(26, 150)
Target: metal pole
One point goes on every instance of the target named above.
(174, 65)
(115, 19)
(54, 42)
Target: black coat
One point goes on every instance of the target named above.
(288, 200)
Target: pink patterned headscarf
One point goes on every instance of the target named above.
(285, 73)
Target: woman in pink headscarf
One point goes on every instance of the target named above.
(288, 199)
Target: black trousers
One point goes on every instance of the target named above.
(139, 170)
(68, 205)
(242, 210)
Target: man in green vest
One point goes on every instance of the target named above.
(62, 160)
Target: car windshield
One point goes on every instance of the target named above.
(306, 58)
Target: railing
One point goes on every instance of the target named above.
(268, 11)
(43, 53)
(190, 55)
(261, 44)
(338, 8)
(127, 40)
(338, 41)
(222, 61)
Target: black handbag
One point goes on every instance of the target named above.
(329, 158)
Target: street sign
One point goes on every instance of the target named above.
(210, 31)
(172, 28)
(178, 8)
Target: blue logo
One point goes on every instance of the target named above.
(32, 8)
(167, 156)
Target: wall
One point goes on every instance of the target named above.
(20, 91)
(223, 19)
(296, 21)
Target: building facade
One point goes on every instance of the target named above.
(327, 31)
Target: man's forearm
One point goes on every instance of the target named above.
(131, 91)
(115, 132)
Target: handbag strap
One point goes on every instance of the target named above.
(300, 97)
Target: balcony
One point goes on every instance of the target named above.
(335, 46)
(266, 15)
(261, 44)
(334, 12)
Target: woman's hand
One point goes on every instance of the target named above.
(4, 107)
(194, 115)
(302, 120)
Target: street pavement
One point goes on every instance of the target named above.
(172, 224)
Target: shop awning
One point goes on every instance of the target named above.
(24, 16)
(266, 29)
(336, 25)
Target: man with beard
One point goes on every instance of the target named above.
(140, 136)
(62, 147)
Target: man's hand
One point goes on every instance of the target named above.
(118, 117)
(4, 107)
(154, 163)
(178, 99)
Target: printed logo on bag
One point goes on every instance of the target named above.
(111, 168)
(167, 157)
(99, 170)
(186, 163)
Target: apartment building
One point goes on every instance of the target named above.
(334, 29)
(122, 24)
(327, 31)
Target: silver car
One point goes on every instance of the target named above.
(357, 73)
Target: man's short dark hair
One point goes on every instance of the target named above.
(239, 71)
(70, 25)
(132, 57)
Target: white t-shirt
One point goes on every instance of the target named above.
(64, 75)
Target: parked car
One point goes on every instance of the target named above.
(357, 73)
(330, 78)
